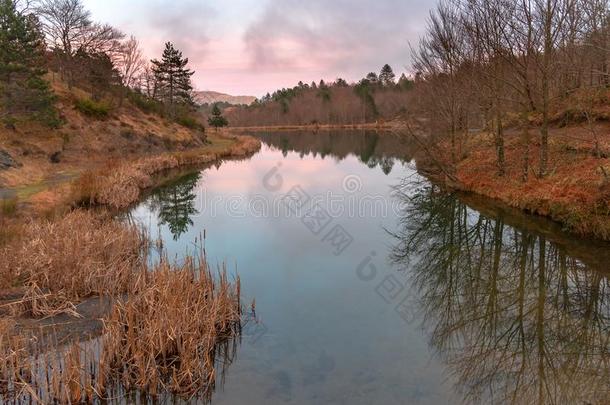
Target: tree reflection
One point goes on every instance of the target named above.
(374, 149)
(175, 204)
(515, 318)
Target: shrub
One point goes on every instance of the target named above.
(91, 108)
(8, 207)
(189, 122)
(147, 105)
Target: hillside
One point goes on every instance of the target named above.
(211, 97)
(83, 140)
(35, 159)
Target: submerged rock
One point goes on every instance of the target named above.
(7, 161)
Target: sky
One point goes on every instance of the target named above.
(250, 47)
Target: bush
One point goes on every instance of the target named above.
(189, 122)
(8, 207)
(94, 109)
(147, 105)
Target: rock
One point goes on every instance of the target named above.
(55, 157)
(7, 161)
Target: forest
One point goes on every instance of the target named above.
(374, 98)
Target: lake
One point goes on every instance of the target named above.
(372, 285)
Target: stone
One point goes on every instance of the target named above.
(7, 161)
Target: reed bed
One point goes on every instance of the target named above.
(60, 262)
(168, 325)
(163, 335)
(161, 340)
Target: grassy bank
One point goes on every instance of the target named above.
(575, 193)
(58, 255)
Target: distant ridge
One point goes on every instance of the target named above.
(210, 97)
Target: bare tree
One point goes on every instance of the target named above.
(485, 22)
(439, 59)
(146, 81)
(69, 29)
(550, 18)
(130, 62)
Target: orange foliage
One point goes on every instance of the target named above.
(574, 193)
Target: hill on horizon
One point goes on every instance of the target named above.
(211, 97)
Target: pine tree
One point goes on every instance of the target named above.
(387, 76)
(405, 83)
(23, 91)
(173, 78)
(217, 120)
(341, 82)
(372, 78)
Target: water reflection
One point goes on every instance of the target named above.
(174, 204)
(516, 318)
(373, 148)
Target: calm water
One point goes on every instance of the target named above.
(372, 286)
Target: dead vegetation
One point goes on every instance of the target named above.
(59, 262)
(118, 184)
(575, 191)
(160, 340)
(153, 340)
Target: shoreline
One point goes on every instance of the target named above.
(71, 273)
(385, 126)
(569, 196)
(55, 192)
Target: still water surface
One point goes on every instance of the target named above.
(373, 286)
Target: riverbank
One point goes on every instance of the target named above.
(379, 126)
(71, 274)
(575, 193)
(62, 188)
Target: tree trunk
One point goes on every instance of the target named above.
(544, 130)
(526, 151)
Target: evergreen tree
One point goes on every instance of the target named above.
(96, 72)
(387, 164)
(405, 83)
(173, 78)
(341, 82)
(372, 78)
(217, 120)
(387, 76)
(364, 89)
(23, 91)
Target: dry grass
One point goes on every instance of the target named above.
(119, 185)
(160, 340)
(79, 255)
(154, 340)
(575, 192)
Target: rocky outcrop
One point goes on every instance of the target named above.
(7, 161)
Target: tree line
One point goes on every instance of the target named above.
(377, 96)
(60, 36)
(497, 63)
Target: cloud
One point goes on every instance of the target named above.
(186, 26)
(351, 36)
